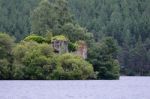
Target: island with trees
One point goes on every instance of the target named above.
(74, 39)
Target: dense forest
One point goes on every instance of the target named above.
(127, 21)
(116, 31)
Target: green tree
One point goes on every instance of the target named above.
(6, 58)
(54, 16)
(32, 60)
(50, 16)
(103, 60)
(138, 59)
(36, 38)
(72, 67)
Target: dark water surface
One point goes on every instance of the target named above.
(125, 88)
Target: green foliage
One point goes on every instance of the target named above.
(38, 61)
(138, 61)
(59, 38)
(55, 16)
(50, 16)
(6, 45)
(75, 32)
(107, 73)
(48, 37)
(112, 17)
(72, 47)
(15, 17)
(36, 38)
(71, 67)
(4, 69)
(125, 21)
(101, 56)
(32, 60)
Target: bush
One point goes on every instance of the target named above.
(71, 67)
(32, 60)
(33, 37)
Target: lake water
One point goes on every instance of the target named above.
(125, 88)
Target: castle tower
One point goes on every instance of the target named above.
(82, 49)
(60, 44)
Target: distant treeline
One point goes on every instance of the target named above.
(127, 21)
